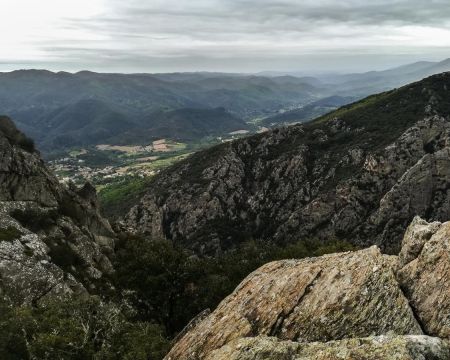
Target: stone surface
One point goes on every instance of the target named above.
(62, 244)
(416, 235)
(317, 299)
(408, 347)
(356, 305)
(426, 283)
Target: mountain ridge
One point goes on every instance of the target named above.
(343, 175)
(32, 96)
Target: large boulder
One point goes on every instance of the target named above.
(356, 305)
(416, 235)
(348, 295)
(407, 347)
(426, 281)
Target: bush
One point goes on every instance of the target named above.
(63, 255)
(9, 234)
(77, 329)
(26, 143)
(35, 219)
(15, 137)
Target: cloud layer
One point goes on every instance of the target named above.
(223, 35)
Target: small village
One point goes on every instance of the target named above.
(132, 160)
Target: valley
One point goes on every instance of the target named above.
(120, 172)
(146, 240)
(225, 180)
(62, 110)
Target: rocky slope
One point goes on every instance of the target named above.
(360, 173)
(356, 305)
(53, 240)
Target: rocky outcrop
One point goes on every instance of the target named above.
(408, 347)
(360, 304)
(360, 174)
(53, 241)
(416, 236)
(426, 282)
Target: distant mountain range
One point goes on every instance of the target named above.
(186, 124)
(376, 81)
(91, 122)
(62, 110)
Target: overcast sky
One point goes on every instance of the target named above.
(221, 35)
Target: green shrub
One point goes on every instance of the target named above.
(36, 219)
(9, 234)
(63, 255)
(117, 198)
(15, 137)
(26, 143)
(77, 329)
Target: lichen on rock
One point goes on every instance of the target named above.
(354, 305)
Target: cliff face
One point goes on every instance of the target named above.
(53, 240)
(343, 306)
(360, 173)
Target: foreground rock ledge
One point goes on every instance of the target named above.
(407, 347)
(347, 295)
(426, 280)
(356, 305)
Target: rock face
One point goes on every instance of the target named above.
(359, 304)
(426, 282)
(361, 174)
(53, 240)
(408, 347)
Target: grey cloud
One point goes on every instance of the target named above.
(260, 34)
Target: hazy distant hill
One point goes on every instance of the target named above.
(63, 109)
(376, 81)
(90, 122)
(25, 92)
(185, 124)
(307, 112)
(85, 122)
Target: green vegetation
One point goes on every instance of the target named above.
(77, 330)
(63, 255)
(95, 158)
(116, 197)
(165, 162)
(307, 112)
(171, 285)
(10, 131)
(9, 234)
(77, 152)
(159, 286)
(35, 219)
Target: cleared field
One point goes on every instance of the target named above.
(152, 165)
(161, 145)
(129, 149)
